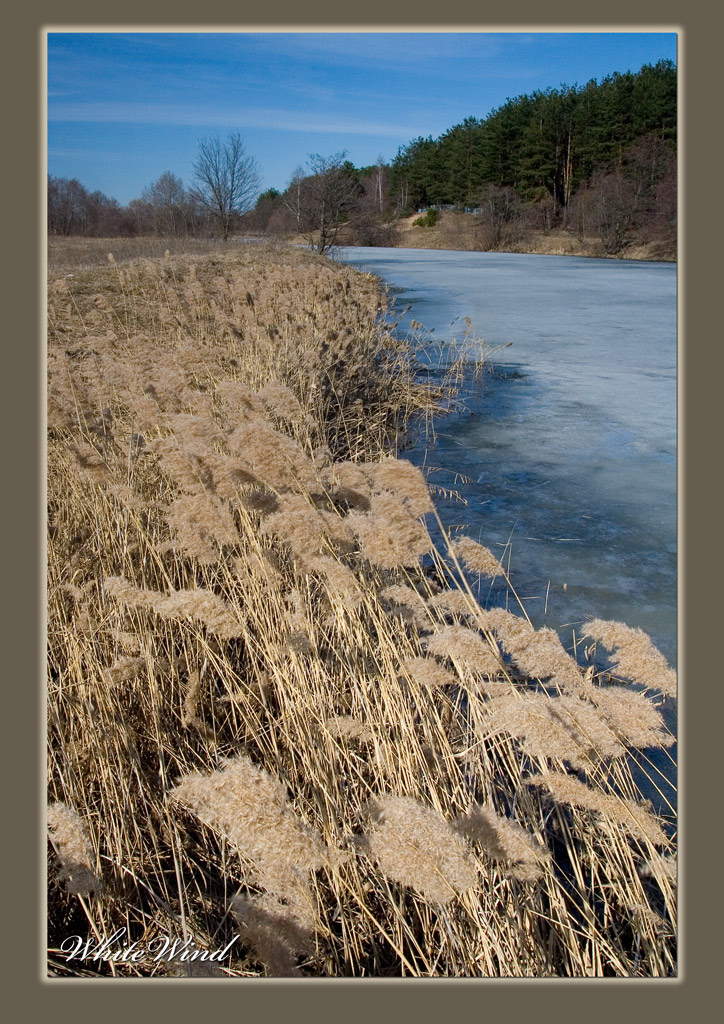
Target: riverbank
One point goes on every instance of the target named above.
(452, 232)
(462, 233)
(276, 711)
(457, 231)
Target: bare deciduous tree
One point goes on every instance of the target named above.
(73, 210)
(371, 225)
(292, 198)
(323, 199)
(500, 219)
(632, 201)
(227, 180)
(167, 201)
(379, 184)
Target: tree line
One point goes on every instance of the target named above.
(544, 145)
(598, 160)
(320, 199)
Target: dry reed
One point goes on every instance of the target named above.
(250, 808)
(635, 656)
(413, 845)
(75, 856)
(504, 842)
(567, 790)
(247, 655)
(562, 728)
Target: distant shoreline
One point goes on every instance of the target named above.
(623, 257)
(454, 232)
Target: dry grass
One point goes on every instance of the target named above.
(461, 231)
(266, 719)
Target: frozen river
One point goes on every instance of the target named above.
(568, 454)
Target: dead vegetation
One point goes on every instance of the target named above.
(457, 230)
(275, 709)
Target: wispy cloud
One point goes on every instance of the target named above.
(174, 114)
(385, 49)
(60, 152)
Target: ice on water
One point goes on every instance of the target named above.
(571, 448)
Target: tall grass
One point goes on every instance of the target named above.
(275, 709)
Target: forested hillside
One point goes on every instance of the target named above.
(542, 145)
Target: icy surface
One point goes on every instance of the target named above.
(570, 450)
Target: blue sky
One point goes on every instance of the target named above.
(124, 107)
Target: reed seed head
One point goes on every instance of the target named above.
(272, 933)
(250, 807)
(428, 674)
(504, 842)
(477, 558)
(414, 845)
(75, 856)
(634, 654)
(539, 654)
(637, 819)
(389, 536)
(563, 728)
(403, 480)
(346, 727)
(465, 647)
